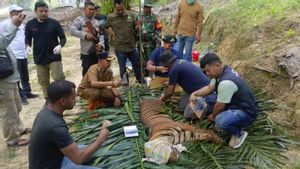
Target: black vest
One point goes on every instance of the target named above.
(244, 98)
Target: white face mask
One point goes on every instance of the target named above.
(190, 2)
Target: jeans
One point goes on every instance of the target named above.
(185, 43)
(135, 61)
(24, 75)
(232, 121)
(68, 164)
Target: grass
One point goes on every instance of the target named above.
(249, 13)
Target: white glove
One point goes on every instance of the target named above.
(29, 50)
(57, 49)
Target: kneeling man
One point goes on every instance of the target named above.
(236, 106)
(98, 85)
(51, 145)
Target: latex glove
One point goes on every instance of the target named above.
(57, 49)
(29, 50)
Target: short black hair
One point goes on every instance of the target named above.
(40, 4)
(88, 3)
(97, 7)
(119, 2)
(209, 58)
(59, 89)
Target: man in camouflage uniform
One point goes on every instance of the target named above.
(151, 31)
(86, 28)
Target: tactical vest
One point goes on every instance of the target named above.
(244, 98)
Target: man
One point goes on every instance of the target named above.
(161, 73)
(188, 76)
(121, 27)
(10, 102)
(236, 106)
(18, 47)
(188, 26)
(98, 85)
(86, 28)
(50, 139)
(102, 19)
(46, 49)
(151, 31)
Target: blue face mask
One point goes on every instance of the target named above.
(190, 2)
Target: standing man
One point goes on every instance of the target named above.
(236, 106)
(10, 102)
(188, 76)
(102, 19)
(151, 31)
(51, 145)
(46, 49)
(188, 26)
(98, 85)
(86, 28)
(121, 27)
(18, 47)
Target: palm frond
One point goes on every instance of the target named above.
(262, 149)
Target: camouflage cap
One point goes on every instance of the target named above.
(148, 3)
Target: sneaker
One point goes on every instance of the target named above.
(24, 101)
(31, 96)
(236, 142)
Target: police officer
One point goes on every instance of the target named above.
(98, 85)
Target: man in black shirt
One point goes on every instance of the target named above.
(50, 139)
(46, 49)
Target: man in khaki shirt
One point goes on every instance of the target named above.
(188, 26)
(121, 27)
(98, 85)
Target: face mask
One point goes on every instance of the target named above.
(190, 2)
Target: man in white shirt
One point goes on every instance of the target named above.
(19, 50)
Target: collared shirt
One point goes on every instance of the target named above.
(17, 46)
(79, 29)
(95, 73)
(7, 35)
(190, 18)
(124, 28)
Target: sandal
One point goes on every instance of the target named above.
(21, 142)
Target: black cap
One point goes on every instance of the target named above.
(169, 39)
(166, 58)
(105, 55)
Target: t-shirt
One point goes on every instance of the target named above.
(45, 38)
(155, 58)
(226, 90)
(49, 134)
(188, 76)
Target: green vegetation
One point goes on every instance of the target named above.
(262, 149)
(245, 13)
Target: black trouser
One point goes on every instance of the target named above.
(24, 75)
(87, 61)
(106, 44)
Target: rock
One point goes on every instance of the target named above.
(297, 118)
